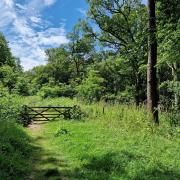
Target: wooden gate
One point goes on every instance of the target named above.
(40, 113)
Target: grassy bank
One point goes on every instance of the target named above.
(15, 152)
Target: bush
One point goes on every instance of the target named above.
(174, 119)
(22, 87)
(24, 117)
(47, 91)
(9, 108)
(66, 91)
(91, 88)
(76, 113)
(57, 91)
(3, 91)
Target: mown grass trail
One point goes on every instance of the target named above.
(120, 144)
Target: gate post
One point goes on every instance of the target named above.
(25, 116)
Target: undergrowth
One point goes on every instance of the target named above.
(15, 152)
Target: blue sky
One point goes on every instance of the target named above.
(31, 26)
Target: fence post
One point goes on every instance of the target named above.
(103, 109)
(24, 115)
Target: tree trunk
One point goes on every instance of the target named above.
(77, 67)
(152, 91)
(137, 88)
(176, 76)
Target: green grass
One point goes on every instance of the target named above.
(120, 144)
(15, 152)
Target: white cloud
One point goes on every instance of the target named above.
(35, 19)
(8, 3)
(20, 6)
(49, 2)
(7, 15)
(26, 42)
(52, 36)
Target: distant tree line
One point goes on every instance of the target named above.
(106, 57)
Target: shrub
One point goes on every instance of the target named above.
(47, 91)
(57, 91)
(91, 88)
(23, 117)
(22, 87)
(8, 77)
(76, 113)
(66, 91)
(3, 91)
(9, 108)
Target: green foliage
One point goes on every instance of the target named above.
(8, 77)
(23, 117)
(92, 87)
(3, 91)
(76, 113)
(22, 87)
(169, 44)
(57, 91)
(9, 108)
(5, 53)
(47, 91)
(174, 118)
(12, 110)
(10, 66)
(58, 64)
(15, 152)
(15, 148)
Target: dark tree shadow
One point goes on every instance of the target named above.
(16, 152)
(104, 166)
(156, 174)
(101, 167)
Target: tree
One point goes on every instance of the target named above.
(91, 87)
(152, 91)
(169, 47)
(80, 47)
(58, 61)
(122, 27)
(8, 77)
(6, 57)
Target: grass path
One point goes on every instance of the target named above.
(96, 150)
(47, 162)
